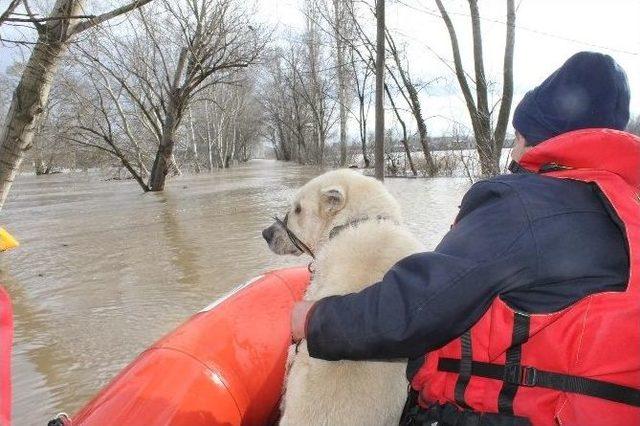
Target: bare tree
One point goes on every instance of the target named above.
(177, 55)
(230, 124)
(218, 37)
(361, 72)
(48, 154)
(315, 86)
(399, 74)
(489, 140)
(193, 141)
(405, 142)
(301, 94)
(31, 95)
(288, 113)
(412, 99)
(380, 66)
(340, 33)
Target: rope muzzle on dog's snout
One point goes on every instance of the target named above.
(297, 242)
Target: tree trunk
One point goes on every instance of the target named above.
(194, 143)
(209, 141)
(320, 146)
(416, 108)
(27, 106)
(380, 50)
(164, 157)
(210, 156)
(507, 84)
(40, 168)
(174, 169)
(363, 128)
(38, 152)
(407, 151)
(365, 157)
(342, 83)
(285, 146)
(422, 128)
(488, 143)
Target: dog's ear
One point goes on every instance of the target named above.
(332, 199)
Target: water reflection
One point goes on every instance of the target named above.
(103, 271)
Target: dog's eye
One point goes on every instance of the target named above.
(298, 209)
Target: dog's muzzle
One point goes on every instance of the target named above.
(270, 233)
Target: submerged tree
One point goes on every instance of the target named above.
(341, 70)
(55, 33)
(363, 45)
(158, 70)
(299, 94)
(380, 67)
(489, 140)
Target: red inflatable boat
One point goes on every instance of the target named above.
(6, 337)
(224, 366)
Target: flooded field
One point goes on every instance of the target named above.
(104, 270)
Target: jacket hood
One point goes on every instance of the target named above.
(596, 149)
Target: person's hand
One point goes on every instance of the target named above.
(299, 319)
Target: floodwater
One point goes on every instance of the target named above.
(104, 270)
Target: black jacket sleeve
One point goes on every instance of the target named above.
(428, 299)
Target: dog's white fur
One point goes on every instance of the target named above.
(350, 393)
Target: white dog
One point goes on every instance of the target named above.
(352, 225)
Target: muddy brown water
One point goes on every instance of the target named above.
(104, 270)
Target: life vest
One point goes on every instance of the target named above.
(578, 366)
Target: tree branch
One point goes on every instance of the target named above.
(507, 85)
(455, 47)
(108, 15)
(12, 6)
(478, 62)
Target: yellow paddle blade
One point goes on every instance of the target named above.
(7, 241)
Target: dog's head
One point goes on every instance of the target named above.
(326, 201)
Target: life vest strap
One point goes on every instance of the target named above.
(530, 376)
(520, 335)
(464, 373)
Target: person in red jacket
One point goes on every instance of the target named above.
(527, 312)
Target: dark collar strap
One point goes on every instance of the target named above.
(516, 168)
(352, 223)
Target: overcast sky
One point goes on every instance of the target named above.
(548, 32)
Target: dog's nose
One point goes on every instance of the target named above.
(267, 233)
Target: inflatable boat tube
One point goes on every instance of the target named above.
(224, 366)
(6, 337)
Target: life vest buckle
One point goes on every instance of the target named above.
(521, 376)
(529, 376)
